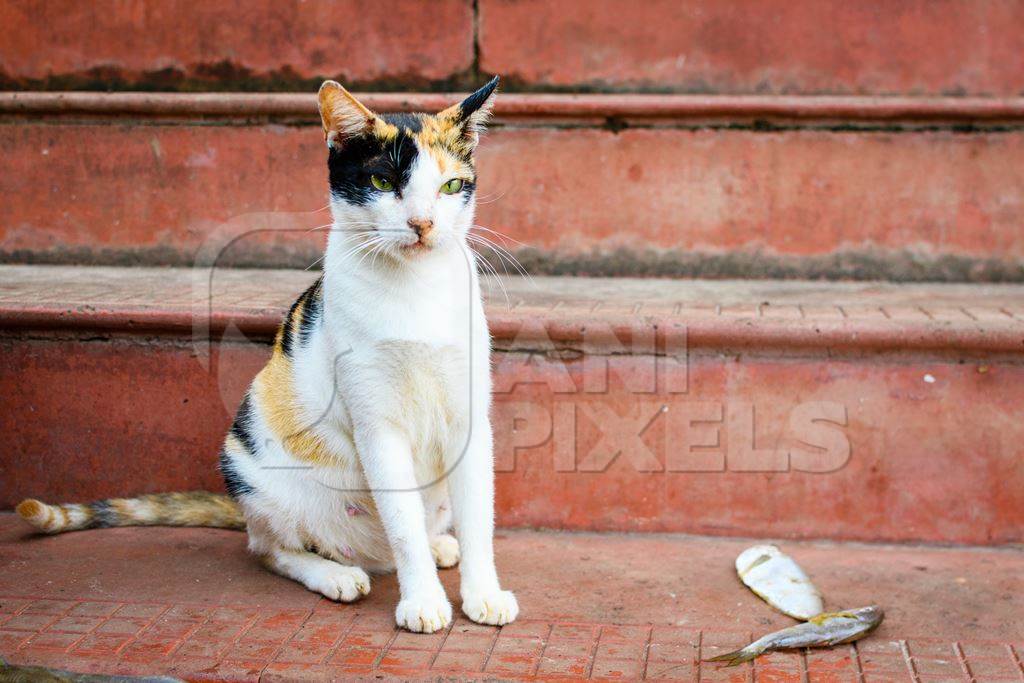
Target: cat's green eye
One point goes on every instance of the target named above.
(382, 184)
(452, 186)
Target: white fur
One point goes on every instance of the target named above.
(396, 382)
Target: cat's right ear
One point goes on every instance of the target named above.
(344, 117)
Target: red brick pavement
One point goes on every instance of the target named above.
(337, 641)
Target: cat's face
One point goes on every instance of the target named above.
(402, 184)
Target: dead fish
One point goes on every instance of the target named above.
(824, 630)
(778, 580)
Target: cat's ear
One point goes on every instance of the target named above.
(472, 113)
(343, 116)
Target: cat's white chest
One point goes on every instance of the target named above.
(429, 387)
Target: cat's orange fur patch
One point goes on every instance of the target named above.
(273, 392)
(30, 509)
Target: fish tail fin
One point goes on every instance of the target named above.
(737, 657)
(195, 508)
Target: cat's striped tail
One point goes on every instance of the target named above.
(192, 508)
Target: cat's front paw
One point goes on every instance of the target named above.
(495, 607)
(424, 613)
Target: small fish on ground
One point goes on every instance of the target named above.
(824, 630)
(778, 580)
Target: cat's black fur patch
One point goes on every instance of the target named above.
(403, 120)
(477, 99)
(104, 515)
(287, 327)
(358, 158)
(312, 310)
(242, 424)
(233, 482)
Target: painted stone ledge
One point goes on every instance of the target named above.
(788, 409)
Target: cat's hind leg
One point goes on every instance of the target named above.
(443, 546)
(282, 552)
(320, 575)
(445, 549)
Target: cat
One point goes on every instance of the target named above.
(367, 434)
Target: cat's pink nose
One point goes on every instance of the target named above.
(422, 226)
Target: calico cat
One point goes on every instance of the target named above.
(367, 434)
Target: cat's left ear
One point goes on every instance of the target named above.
(473, 112)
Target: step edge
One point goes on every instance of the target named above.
(540, 107)
(531, 331)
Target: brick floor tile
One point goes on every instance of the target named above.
(304, 651)
(628, 633)
(572, 632)
(832, 677)
(203, 649)
(528, 646)
(468, 642)
(53, 641)
(621, 650)
(464, 625)
(374, 621)
(59, 607)
(376, 639)
(150, 650)
(878, 664)
(987, 669)
(94, 609)
(251, 648)
(171, 628)
(608, 668)
(122, 626)
(418, 641)
(222, 630)
(98, 645)
(672, 634)
(938, 667)
(234, 614)
(407, 659)
(29, 622)
(985, 650)
(74, 624)
(874, 645)
(672, 652)
(355, 656)
(739, 674)
(13, 605)
(12, 640)
(525, 629)
(670, 670)
(570, 648)
(188, 612)
(460, 661)
(140, 611)
(563, 666)
(773, 675)
(512, 664)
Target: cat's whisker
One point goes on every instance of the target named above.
(488, 268)
(311, 265)
(500, 235)
(491, 198)
(502, 254)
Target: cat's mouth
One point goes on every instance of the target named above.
(416, 247)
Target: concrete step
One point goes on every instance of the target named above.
(873, 47)
(192, 603)
(865, 411)
(671, 185)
